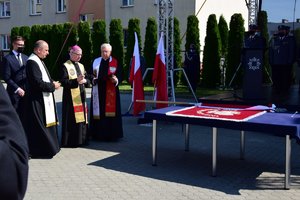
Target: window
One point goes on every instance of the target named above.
(4, 45)
(87, 17)
(35, 7)
(127, 2)
(5, 8)
(61, 6)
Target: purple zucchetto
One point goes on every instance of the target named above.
(75, 48)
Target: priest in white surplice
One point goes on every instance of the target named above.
(41, 126)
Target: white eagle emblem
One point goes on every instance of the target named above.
(218, 112)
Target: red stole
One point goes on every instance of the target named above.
(111, 96)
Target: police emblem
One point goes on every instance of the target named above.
(254, 63)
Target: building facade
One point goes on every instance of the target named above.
(273, 27)
(30, 12)
(143, 9)
(88, 10)
(27, 13)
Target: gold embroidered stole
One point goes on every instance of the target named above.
(78, 106)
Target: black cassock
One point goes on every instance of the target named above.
(106, 128)
(73, 134)
(13, 151)
(42, 140)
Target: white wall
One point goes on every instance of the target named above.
(143, 9)
(219, 7)
(20, 15)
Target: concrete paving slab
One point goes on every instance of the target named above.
(123, 169)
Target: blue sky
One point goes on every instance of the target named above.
(281, 9)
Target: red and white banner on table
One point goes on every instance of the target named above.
(237, 115)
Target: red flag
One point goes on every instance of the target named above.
(136, 80)
(159, 77)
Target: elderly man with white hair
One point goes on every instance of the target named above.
(106, 119)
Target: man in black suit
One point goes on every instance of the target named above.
(14, 74)
(13, 152)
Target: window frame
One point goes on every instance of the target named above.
(4, 42)
(61, 6)
(4, 9)
(34, 5)
(127, 3)
(87, 17)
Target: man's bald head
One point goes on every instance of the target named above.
(41, 49)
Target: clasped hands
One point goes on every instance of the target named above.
(21, 92)
(81, 79)
(56, 84)
(113, 79)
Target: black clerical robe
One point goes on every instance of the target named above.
(74, 133)
(105, 127)
(42, 138)
(13, 152)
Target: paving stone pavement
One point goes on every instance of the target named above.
(123, 169)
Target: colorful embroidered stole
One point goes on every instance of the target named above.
(79, 108)
(110, 98)
(48, 98)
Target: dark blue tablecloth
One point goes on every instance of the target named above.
(281, 124)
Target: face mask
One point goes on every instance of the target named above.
(20, 49)
(281, 34)
(251, 32)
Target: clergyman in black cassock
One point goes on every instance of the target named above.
(13, 152)
(74, 107)
(41, 124)
(106, 119)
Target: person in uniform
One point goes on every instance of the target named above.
(13, 151)
(41, 124)
(281, 58)
(106, 119)
(192, 66)
(253, 38)
(74, 107)
(14, 74)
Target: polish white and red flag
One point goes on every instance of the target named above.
(159, 77)
(136, 80)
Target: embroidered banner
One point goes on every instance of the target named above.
(228, 114)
